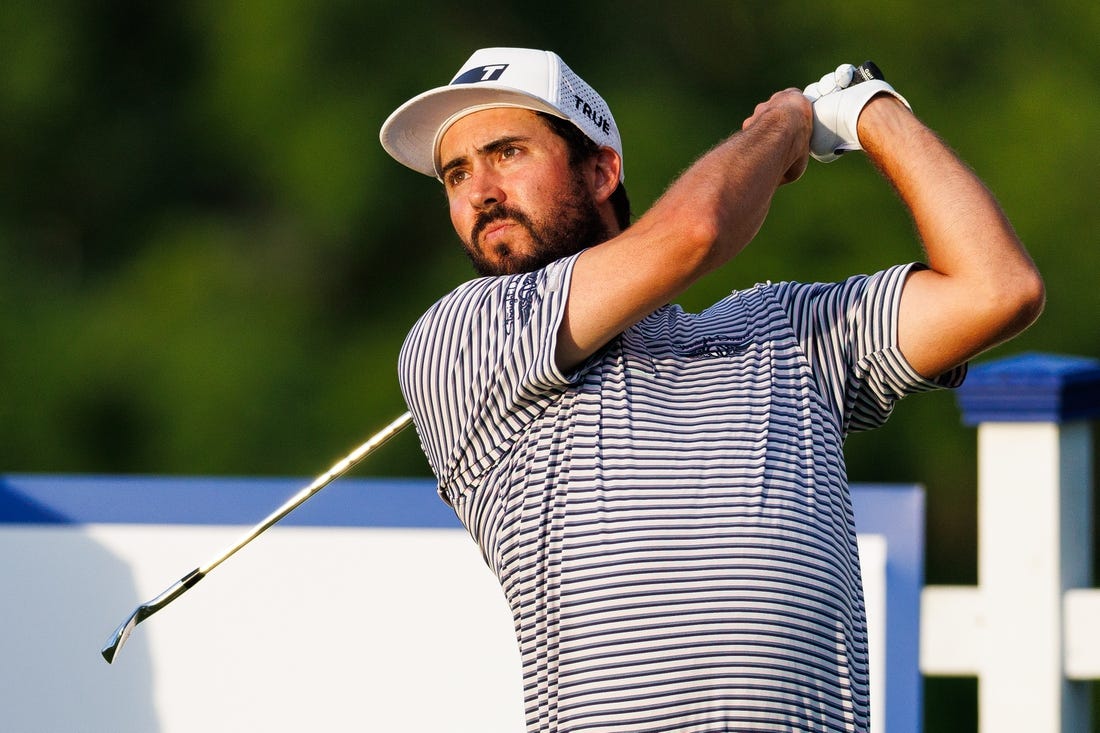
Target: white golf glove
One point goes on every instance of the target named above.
(837, 102)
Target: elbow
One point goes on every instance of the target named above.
(1020, 301)
(1030, 297)
(692, 248)
(711, 241)
(701, 242)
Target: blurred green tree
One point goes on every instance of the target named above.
(207, 263)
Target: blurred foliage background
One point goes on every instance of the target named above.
(208, 264)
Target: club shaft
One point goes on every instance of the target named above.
(338, 469)
(177, 589)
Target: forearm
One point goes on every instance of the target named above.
(719, 204)
(705, 218)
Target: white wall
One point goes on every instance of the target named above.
(320, 625)
(320, 629)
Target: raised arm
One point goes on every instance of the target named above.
(704, 219)
(981, 287)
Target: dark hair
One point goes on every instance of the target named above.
(581, 148)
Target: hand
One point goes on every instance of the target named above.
(837, 103)
(799, 118)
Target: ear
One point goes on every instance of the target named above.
(606, 167)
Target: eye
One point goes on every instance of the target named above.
(510, 151)
(456, 177)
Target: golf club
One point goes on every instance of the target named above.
(145, 610)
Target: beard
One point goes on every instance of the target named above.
(574, 224)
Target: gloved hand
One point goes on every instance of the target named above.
(837, 102)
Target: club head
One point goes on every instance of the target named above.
(122, 633)
(145, 610)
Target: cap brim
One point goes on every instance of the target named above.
(410, 133)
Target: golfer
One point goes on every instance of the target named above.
(661, 494)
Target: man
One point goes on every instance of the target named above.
(662, 495)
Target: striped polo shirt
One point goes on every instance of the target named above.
(670, 523)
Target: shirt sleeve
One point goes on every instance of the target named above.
(479, 367)
(849, 333)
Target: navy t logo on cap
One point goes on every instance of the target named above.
(481, 73)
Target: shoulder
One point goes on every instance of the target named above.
(883, 285)
(517, 291)
(488, 313)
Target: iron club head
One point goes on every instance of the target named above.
(122, 633)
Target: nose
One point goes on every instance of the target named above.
(485, 190)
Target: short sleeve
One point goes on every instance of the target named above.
(849, 333)
(478, 367)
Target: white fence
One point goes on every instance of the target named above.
(1030, 630)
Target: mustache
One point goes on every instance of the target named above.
(499, 212)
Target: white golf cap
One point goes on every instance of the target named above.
(496, 77)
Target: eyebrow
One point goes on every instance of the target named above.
(489, 147)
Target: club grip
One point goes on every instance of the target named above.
(866, 71)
